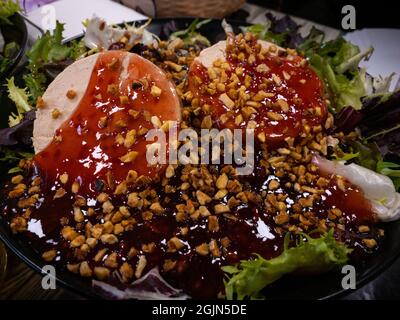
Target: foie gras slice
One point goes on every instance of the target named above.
(266, 88)
(95, 118)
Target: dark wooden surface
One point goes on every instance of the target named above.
(18, 281)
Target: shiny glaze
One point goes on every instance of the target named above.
(250, 228)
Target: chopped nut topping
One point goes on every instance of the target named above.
(59, 193)
(202, 197)
(222, 181)
(370, 243)
(112, 89)
(175, 244)
(75, 187)
(85, 270)
(363, 229)
(102, 197)
(274, 116)
(40, 104)
(107, 207)
(224, 98)
(17, 179)
(49, 256)
(214, 248)
(126, 272)
(156, 208)
(221, 208)
(109, 238)
(123, 99)
(273, 184)
(262, 68)
(169, 265)
(78, 241)
(78, 215)
(121, 188)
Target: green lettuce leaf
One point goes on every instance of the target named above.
(346, 156)
(11, 157)
(263, 32)
(249, 277)
(390, 169)
(336, 62)
(7, 9)
(190, 35)
(20, 97)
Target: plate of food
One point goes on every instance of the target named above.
(13, 37)
(203, 159)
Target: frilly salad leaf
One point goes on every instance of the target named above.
(49, 47)
(20, 97)
(249, 277)
(368, 154)
(12, 157)
(346, 156)
(7, 9)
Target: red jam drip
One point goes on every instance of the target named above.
(351, 201)
(88, 150)
(299, 86)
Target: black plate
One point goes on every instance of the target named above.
(16, 32)
(324, 286)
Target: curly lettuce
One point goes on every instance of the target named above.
(390, 169)
(48, 49)
(315, 255)
(11, 158)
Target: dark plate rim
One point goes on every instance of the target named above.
(37, 264)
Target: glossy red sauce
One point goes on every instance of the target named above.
(88, 150)
(303, 92)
